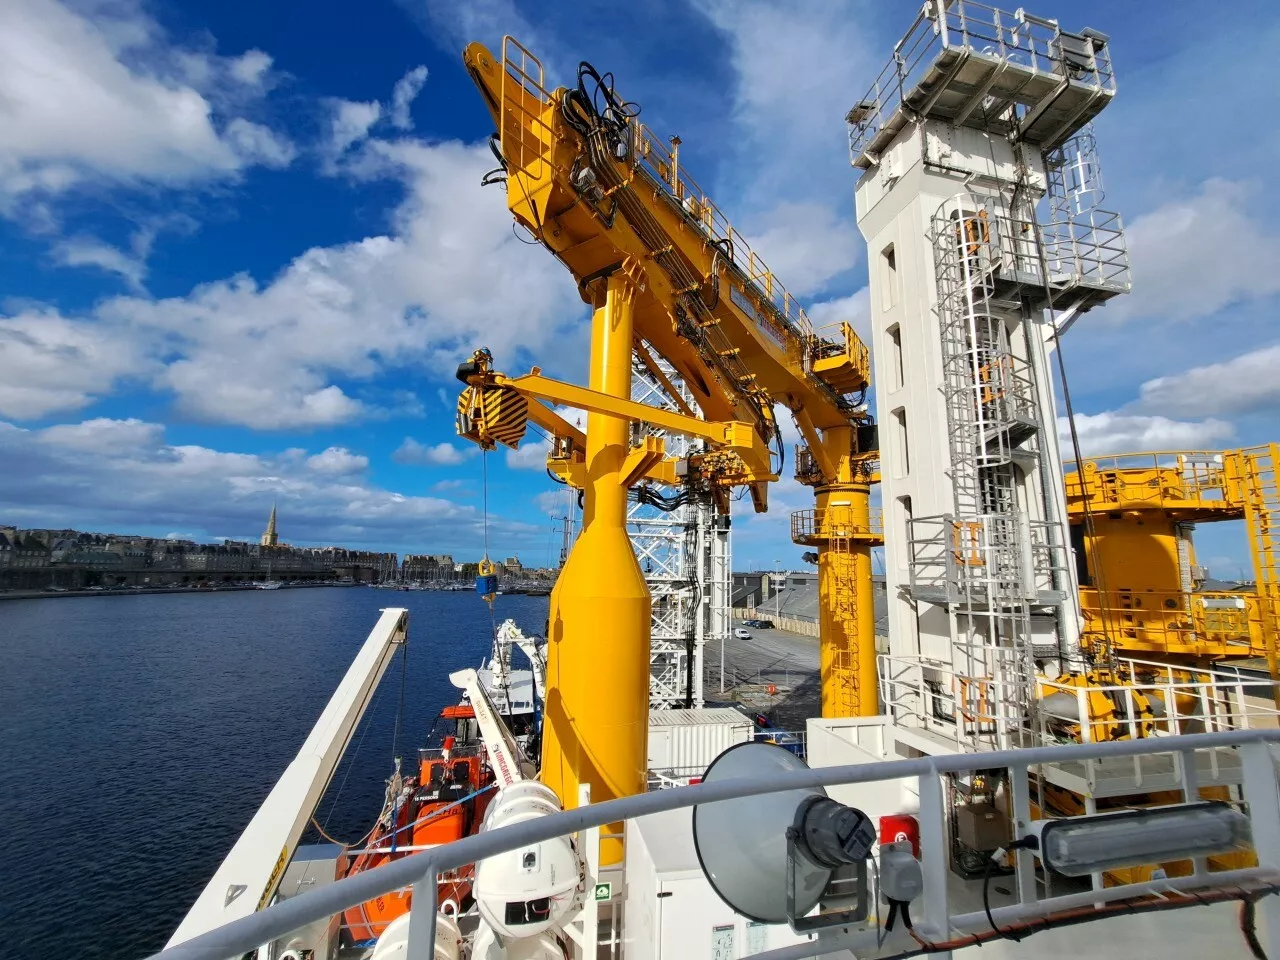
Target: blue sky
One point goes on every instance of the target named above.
(244, 245)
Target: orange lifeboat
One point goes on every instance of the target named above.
(444, 801)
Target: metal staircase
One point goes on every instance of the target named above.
(993, 423)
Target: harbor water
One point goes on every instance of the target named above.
(140, 733)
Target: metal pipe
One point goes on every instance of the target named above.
(248, 933)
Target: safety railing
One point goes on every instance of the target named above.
(1181, 479)
(979, 558)
(1203, 623)
(1147, 699)
(942, 921)
(667, 778)
(1015, 39)
(1001, 246)
(1088, 249)
(835, 523)
(968, 707)
(660, 163)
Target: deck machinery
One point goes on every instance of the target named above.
(673, 285)
(1142, 591)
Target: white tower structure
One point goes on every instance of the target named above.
(683, 549)
(977, 198)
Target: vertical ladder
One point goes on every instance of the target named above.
(986, 416)
(1262, 517)
(844, 582)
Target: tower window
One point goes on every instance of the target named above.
(888, 278)
(902, 446)
(896, 375)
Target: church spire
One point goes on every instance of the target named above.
(269, 538)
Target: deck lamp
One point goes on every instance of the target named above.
(1078, 846)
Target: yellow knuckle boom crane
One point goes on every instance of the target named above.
(667, 276)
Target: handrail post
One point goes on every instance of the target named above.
(933, 847)
(1262, 792)
(422, 915)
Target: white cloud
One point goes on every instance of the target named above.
(103, 435)
(805, 244)
(52, 364)
(350, 123)
(251, 67)
(531, 455)
(1197, 255)
(441, 455)
(97, 93)
(1114, 432)
(789, 156)
(554, 503)
(91, 252)
(406, 91)
(255, 143)
(1243, 384)
(450, 278)
(855, 309)
(337, 461)
(121, 475)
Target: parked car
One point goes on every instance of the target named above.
(742, 634)
(763, 624)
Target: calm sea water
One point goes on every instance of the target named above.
(139, 734)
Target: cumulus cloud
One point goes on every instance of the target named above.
(450, 277)
(337, 461)
(122, 475)
(1115, 432)
(531, 455)
(349, 123)
(1194, 256)
(97, 93)
(440, 455)
(1244, 384)
(53, 364)
(854, 309)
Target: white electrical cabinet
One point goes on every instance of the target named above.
(672, 912)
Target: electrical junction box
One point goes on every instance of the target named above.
(671, 911)
(982, 826)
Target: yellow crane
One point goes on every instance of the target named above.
(667, 276)
(1132, 517)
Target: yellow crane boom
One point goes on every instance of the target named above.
(667, 276)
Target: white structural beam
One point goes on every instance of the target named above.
(247, 878)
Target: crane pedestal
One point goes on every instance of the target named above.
(595, 727)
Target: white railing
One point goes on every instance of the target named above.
(1013, 38)
(936, 924)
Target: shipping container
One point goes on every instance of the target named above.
(685, 742)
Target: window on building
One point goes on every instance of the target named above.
(896, 373)
(888, 278)
(902, 447)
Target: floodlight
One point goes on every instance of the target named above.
(1078, 846)
(772, 857)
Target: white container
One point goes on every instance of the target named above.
(686, 741)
